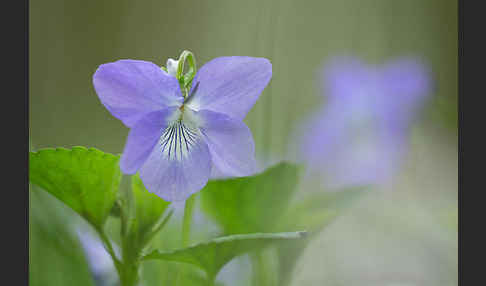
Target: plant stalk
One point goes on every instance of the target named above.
(187, 220)
(186, 230)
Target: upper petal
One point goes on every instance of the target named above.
(230, 85)
(143, 137)
(407, 77)
(129, 89)
(406, 83)
(346, 78)
(179, 166)
(230, 142)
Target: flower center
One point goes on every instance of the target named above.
(177, 140)
(181, 135)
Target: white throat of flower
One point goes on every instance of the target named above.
(181, 135)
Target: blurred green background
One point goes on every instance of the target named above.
(403, 236)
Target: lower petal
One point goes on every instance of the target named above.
(179, 167)
(230, 142)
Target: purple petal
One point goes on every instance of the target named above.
(360, 135)
(345, 78)
(216, 173)
(98, 258)
(173, 175)
(406, 85)
(407, 78)
(129, 89)
(230, 143)
(142, 139)
(350, 153)
(230, 85)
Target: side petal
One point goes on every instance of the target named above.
(407, 77)
(129, 89)
(230, 142)
(179, 166)
(230, 85)
(318, 136)
(406, 83)
(142, 139)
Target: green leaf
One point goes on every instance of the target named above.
(312, 213)
(162, 272)
(261, 203)
(195, 278)
(86, 180)
(317, 210)
(56, 257)
(146, 217)
(250, 204)
(211, 256)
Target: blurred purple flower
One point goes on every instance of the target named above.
(360, 135)
(177, 143)
(100, 262)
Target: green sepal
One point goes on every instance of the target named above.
(186, 79)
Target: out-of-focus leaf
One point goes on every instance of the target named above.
(162, 272)
(211, 256)
(317, 210)
(86, 180)
(250, 204)
(55, 255)
(146, 216)
(195, 278)
(261, 203)
(313, 214)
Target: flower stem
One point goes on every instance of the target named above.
(186, 230)
(187, 220)
(210, 280)
(128, 270)
(261, 272)
(129, 274)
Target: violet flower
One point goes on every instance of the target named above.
(360, 135)
(179, 138)
(100, 262)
